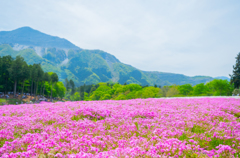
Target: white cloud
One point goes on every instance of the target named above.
(188, 37)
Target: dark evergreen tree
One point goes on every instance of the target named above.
(25, 75)
(67, 84)
(235, 77)
(5, 81)
(40, 74)
(37, 76)
(72, 86)
(16, 70)
(31, 73)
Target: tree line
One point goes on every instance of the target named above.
(116, 91)
(17, 76)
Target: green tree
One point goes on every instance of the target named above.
(67, 84)
(151, 92)
(34, 76)
(220, 87)
(165, 89)
(46, 78)
(199, 89)
(31, 75)
(16, 71)
(105, 97)
(235, 77)
(60, 89)
(54, 79)
(24, 75)
(101, 91)
(5, 81)
(38, 76)
(47, 89)
(121, 97)
(185, 89)
(173, 91)
(93, 89)
(72, 86)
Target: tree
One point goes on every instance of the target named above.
(34, 78)
(172, 91)
(46, 78)
(24, 75)
(31, 73)
(165, 89)
(220, 87)
(67, 84)
(72, 86)
(121, 97)
(59, 86)
(92, 89)
(82, 91)
(16, 71)
(5, 64)
(38, 76)
(101, 91)
(151, 92)
(75, 96)
(54, 79)
(235, 77)
(199, 89)
(185, 89)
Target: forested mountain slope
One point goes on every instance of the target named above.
(83, 66)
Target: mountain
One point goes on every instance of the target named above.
(83, 66)
(29, 37)
(222, 78)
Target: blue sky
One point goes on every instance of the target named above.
(191, 37)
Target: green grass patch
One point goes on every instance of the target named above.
(221, 119)
(214, 142)
(77, 117)
(237, 115)
(2, 100)
(183, 137)
(10, 101)
(137, 126)
(2, 142)
(94, 118)
(50, 122)
(190, 154)
(217, 141)
(108, 127)
(139, 116)
(198, 129)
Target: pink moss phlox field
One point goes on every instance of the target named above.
(206, 127)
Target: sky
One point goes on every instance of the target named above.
(190, 37)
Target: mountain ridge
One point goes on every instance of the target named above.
(82, 65)
(27, 36)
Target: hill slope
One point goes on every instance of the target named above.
(83, 66)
